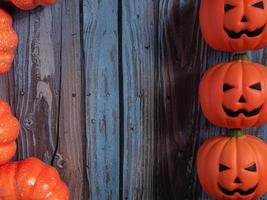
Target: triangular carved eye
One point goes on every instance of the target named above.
(252, 168)
(227, 87)
(228, 7)
(223, 168)
(256, 86)
(259, 5)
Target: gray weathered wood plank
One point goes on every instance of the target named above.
(37, 67)
(100, 28)
(48, 90)
(70, 155)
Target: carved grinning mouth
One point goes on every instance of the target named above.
(235, 35)
(244, 112)
(243, 193)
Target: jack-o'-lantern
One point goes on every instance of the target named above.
(234, 25)
(234, 94)
(233, 168)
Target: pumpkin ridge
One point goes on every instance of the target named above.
(225, 140)
(228, 65)
(231, 64)
(37, 177)
(15, 178)
(55, 175)
(20, 166)
(54, 189)
(258, 166)
(220, 140)
(203, 158)
(263, 106)
(211, 76)
(207, 144)
(225, 145)
(10, 128)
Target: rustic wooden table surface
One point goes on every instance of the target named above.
(106, 91)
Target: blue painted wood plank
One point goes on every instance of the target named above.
(139, 62)
(100, 28)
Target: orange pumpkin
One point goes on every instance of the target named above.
(9, 130)
(234, 25)
(30, 4)
(233, 168)
(234, 94)
(31, 179)
(8, 41)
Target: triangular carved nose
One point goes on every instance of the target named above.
(244, 19)
(237, 180)
(242, 100)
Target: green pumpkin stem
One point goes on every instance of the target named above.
(235, 133)
(241, 56)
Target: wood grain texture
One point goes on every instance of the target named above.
(183, 57)
(139, 71)
(48, 91)
(37, 68)
(100, 28)
(106, 91)
(70, 155)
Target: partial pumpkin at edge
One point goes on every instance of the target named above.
(8, 41)
(234, 25)
(31, 179)
(233, 167)
(9, 130)
(31, 4)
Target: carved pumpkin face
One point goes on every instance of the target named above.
(234, 25)
(233, 168)
(234, 94)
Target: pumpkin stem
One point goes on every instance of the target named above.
(235, 133)
(241, 56)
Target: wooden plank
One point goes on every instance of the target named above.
(164, 57)
(139, 30)
(183, 57)
(48, 90)
(37, 67)
(70, 156)
(100, 30)
(180, 126)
